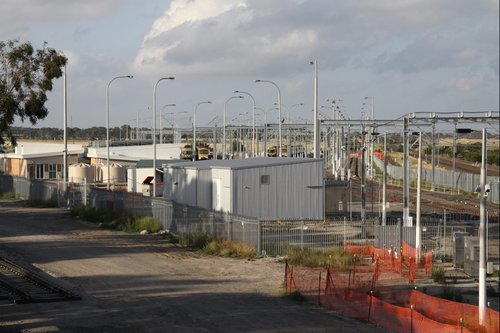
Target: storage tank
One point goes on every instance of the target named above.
(80, 173)
(117, 173)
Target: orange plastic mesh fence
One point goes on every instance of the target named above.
(401, 262)
(400, 310)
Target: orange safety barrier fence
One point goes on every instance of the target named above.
(401, 262)
(352, 292)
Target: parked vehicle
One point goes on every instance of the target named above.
(203, 153)
(187, 152)
(272, 151)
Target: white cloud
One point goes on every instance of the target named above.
(468, 83)
(256, 36)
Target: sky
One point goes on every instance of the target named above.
(405, 56)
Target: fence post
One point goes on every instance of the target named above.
(286, 275)
(461, 325)
(444, 233)
(411, 318)
(370, 306)
(84, 191)
(319, 289)
(259, 236)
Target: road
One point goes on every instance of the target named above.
(138, 283)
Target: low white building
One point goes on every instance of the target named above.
(40, 160)
(265, 188)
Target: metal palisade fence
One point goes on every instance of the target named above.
(444, 180)
(268, 237)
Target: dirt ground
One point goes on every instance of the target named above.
(138, 283)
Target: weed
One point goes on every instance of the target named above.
(195, 241)
(297, 296)
(438, 274)
(42, 203)
(125, 222)
(11, 195)
(333, 257)
(229, 248)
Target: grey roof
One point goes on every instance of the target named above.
(159, 163)
(246, 163)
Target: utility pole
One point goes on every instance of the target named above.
(384, 186)
(483, 235)
(419, 196)
(406, 185)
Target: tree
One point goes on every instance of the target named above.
(26, 76)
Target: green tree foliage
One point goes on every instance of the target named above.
(26, 76)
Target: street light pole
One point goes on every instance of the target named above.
(161, 117)
(65, 124)
(254, 147)
(224, 125)
(315, 118)
(419, 196)
(279, 112)
(154, 132)
(107, 121)
(194, 127)
(483, 235)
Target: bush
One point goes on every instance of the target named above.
(334, 257)
(125, 222)
(438, 274)
(196, 240)
(228, 248)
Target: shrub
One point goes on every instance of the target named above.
(125, 222)
(228, 248)
(438, 274)
(334, 257)
(196, 240)
(148, 223)
(297, 296)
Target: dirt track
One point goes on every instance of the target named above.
(138, 283)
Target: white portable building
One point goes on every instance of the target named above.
(265, 188)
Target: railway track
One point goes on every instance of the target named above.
(20, 285)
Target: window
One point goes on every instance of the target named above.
(265, 180)
(39, 171)
(52, 171)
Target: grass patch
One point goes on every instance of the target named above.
(334, 257)
(9, 196)
(42, 203)
(221, 247)
(296, 296)
(196, 241)
(228, 248)
(125, 222)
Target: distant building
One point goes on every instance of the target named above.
(264, 188)
(40, 160)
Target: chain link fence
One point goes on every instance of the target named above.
(268, 237)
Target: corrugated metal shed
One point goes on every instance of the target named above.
(267, 188)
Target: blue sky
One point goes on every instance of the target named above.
(409, 56)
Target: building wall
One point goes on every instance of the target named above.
(221, 189)
(28, 167)
(204, 188)
(294, 191)
(135, 177)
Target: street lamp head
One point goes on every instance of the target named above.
(257, 81)
(311, 62)
(130, 76)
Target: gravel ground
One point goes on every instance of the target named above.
(139, 283)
